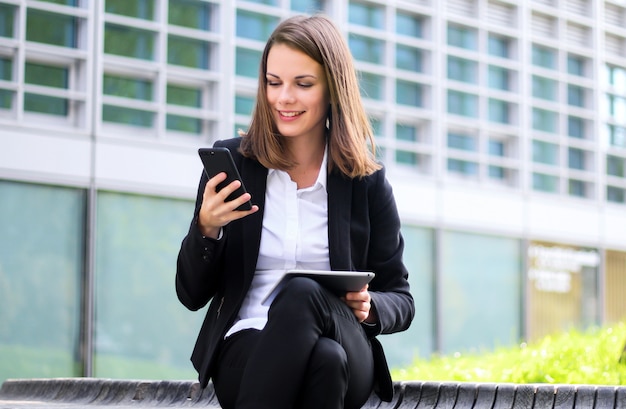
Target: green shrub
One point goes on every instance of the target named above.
(573, 357)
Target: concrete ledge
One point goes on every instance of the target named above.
(95, 393)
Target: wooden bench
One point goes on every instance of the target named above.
(94, 393)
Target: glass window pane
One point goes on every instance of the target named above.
(40, 296)
(44, 104)
(247, 62)
(575, 127)
(408, 93)
(372, 85)
(49, 76)
(615, 166)
(188, 52)
(143, 9)
(367, 49)
(496, 148)
(463, 142)
(545, 183)
(575, 95)
(133, 282)
(185, 96)
(406, 157)
(377, 126)
(6, 99)
(498, 111)
(184, 124)
(463, 37)
(577, 188)
(498, 46)
(498, 78)
(51, 28)
(307, 6)
(190, 13)
(127, 116)
(496, 172)
(129, 42)
(615, 194)
(544, 57)
(7, 14)
(576, 158)
(128, 87)
(368, 15)
(406, 133)
(575, 65)
(545, 152)
(617, 136)
(244, 105)
(461, 69)
(409, 58)
(462, 103)
(463, 166)
(545, 88)
(544, 120)
(267, 2)
(469, 320)
(409, 24)
(72, 3)
(255, 26)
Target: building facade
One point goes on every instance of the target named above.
(502, 124)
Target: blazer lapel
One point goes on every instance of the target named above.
(339, 205)
(255, 177)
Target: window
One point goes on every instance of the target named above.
(51, 28)
(462, 142)
(462, 103)
(463, 37)
(7, 14)
(377, 126)
(616, 77)
(131, 88)
(617, 107)
(188, 52)
(267, 2)
(244, 105)
(143, 9)
(544, 57)
(496, 172)
(576, 65)
(307, 6)
(461, 69)
(129, 42)
(408, 93)
(6, 74)
(372, 85)
(576, 158)
(463, 167)
(368, 15)
(545, 88)
(188, 97)
(545, 183)
(615, 166)
(617, 136)
(576, 127)
(496, 147)
(575, 95)
(409, 24)
(406, 157)
(190, 14)
(544, 120)
(406, 133)
(615, 194)
(247, 62)
(498, 78)
(577, 188)
(499, 111)
(48, 76)
(545, 152)
(409, 58)
(367, 49)
(499, 46)
(255, 26)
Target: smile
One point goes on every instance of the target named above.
(290, 114)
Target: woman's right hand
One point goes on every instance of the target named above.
(215, 212)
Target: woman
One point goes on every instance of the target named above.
(321, 202)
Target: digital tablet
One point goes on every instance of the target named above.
(216, 160)
(339, 282)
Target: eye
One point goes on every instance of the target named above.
(273, 83)
(305, 85)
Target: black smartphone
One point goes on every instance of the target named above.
(216, 160)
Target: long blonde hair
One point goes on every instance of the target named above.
(349, 130)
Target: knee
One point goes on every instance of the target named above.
(298, 290)
(329, 358)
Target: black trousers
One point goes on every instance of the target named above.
(312, 353)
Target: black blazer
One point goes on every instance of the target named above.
(363, 234)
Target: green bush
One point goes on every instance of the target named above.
(573, 357)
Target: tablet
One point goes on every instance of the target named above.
(339, 282)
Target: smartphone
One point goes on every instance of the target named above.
(216, 160)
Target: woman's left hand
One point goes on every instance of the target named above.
(360, 303)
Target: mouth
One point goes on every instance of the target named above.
(290, 114)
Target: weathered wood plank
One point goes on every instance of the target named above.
(544, 396)
(505, 396)
(605, 397)
(585, 396)
(524, 396)
(447, 396)
(466, 396)
(430, 395)
(486, 395)
(565, 397)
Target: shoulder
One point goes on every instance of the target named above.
(232, 144)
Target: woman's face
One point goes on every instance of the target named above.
(297, 93)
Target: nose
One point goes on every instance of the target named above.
(286, 95)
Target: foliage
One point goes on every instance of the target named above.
(573, 357)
